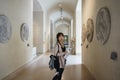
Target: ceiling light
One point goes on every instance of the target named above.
(61, 10)
(60, 5)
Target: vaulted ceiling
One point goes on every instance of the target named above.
(47, 4)
(52, 7)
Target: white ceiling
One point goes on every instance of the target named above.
(56, 15)
(60, 23)
(52, 7)
(36, 6)
(47, 4)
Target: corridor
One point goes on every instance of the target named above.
(28, 32)
(39, 70)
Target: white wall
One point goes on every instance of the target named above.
(38, 30)
(63, 28)
(78, 28)
(97, 56)
(51, 35)
(15, 53)
(48, 25)
(45, 31)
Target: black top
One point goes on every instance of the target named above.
(63, 49)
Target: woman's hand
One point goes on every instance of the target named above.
(66, 52)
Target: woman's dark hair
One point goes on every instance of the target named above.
(58, 35)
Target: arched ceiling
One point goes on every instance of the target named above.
(47, 4)
(36, 6)
(55, 16)
(53, 9)
(60, 22)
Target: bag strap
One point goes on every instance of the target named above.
(58, 50)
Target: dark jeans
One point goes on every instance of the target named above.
(59, 76)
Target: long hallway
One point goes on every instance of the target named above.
(39, 70)
(29, 27)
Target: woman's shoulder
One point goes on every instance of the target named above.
(57, 44)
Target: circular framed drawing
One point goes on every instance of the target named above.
(24, 32)
(103, 25)
(90, 30)
(5, 29)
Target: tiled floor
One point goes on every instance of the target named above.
(39, 70)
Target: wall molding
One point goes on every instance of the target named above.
(20, 69)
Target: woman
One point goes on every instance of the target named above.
(60, 51)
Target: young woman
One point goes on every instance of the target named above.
(60, 51)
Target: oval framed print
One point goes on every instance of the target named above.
(24, 32)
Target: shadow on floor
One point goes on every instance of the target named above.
(39, 70)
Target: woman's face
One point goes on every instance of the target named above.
(61, 38)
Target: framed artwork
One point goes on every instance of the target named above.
(90, 30)
(66, 40)
(5, 29)
(24, 32)
(103, 25)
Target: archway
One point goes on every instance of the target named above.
(37, 27)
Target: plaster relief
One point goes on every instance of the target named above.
(84, 33)
(90, 30)
(5, 29)
(103, 25)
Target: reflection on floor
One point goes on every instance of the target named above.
(39, 70)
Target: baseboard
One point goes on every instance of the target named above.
(89, 72)
(38, 53)
(20, 69)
